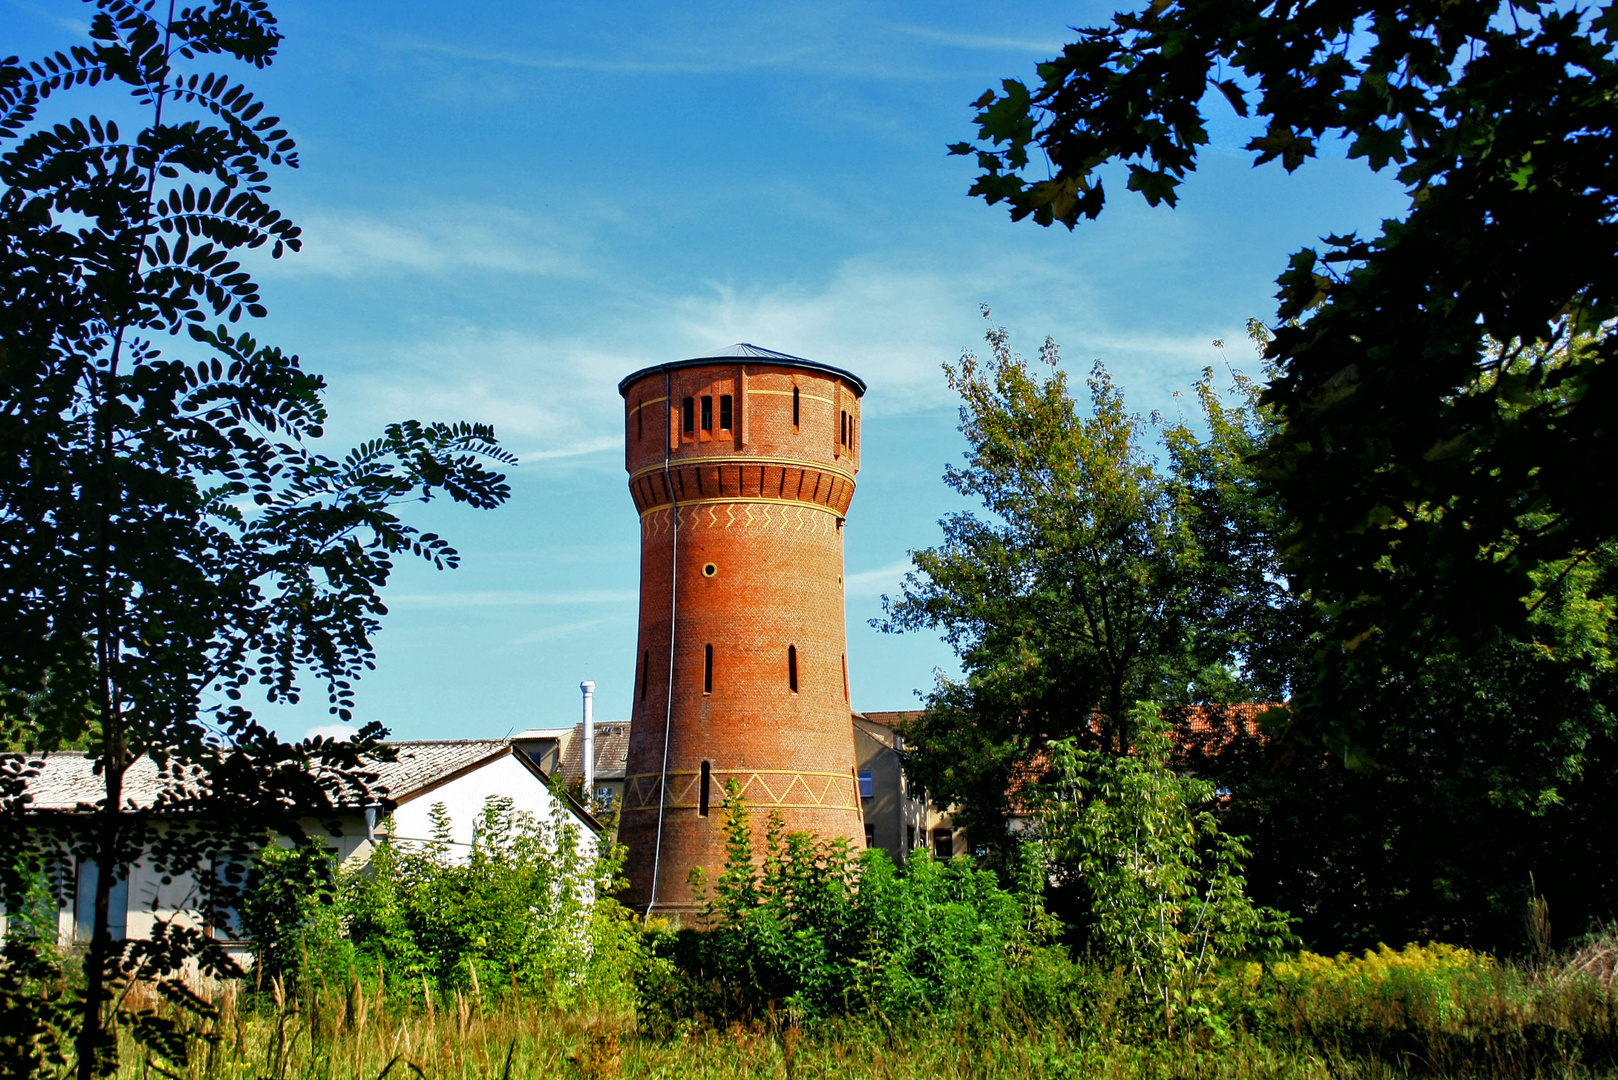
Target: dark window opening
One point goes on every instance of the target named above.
(645, 664)
(910, 836)
(845, 428)
(794, 406)
(688, 408)
(846, 698)
(707, 413)
(727, 412)
(870, 835)
(943, 843)
(792, 667)
(867, 784)
(707, 669)
(702, 795)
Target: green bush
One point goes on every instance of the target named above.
(528, 908)
(810, 929)
(287, 907)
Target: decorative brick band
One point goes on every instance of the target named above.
(780, 789)
(743, 514)
(708, 480)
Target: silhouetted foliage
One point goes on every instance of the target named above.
(168, 540)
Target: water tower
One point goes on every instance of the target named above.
(742, 468)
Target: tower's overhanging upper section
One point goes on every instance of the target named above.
(746, 351)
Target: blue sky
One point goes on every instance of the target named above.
(508, 207)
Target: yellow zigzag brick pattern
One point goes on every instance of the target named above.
(761, 788)
(743, 516)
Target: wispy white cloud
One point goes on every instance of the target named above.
(510, 598)
(77, 27)
(434, 242)
(561, 630)
(822, 39)
(989, 42)
(882, 580)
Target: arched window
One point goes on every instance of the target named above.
(688, 416)
(707, 412)
(707, 669)
(792, 667)
(702, 793)
(727, 412)
(794, 406)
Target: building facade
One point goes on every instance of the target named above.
(742, 469)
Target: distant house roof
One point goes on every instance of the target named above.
(68, 780)
(890, 718)
(612, 752)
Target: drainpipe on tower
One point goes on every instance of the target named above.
(589, 689)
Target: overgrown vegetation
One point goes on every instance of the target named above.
(527, 910)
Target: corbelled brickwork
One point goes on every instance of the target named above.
(742, 557)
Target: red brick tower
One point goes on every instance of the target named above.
(742, 468)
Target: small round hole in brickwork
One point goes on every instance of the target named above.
(710, 570)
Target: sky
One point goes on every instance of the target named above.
(508, 207)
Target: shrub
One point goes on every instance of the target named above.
(1165, 883)
(287, 906)
(810, 929)
(527, 908)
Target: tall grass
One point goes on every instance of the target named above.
(1420, 1012)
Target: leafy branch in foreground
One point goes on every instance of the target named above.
(168, 541)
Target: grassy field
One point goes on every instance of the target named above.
(1431, 1012)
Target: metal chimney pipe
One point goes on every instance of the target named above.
(589, 689)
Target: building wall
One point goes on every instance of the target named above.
(464, 797)
(759, 568)
(895, 820)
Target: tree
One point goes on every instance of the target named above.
(168, 540)
(1443, 435)
(1163, 879)
(1068, 602)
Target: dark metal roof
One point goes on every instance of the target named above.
(745, 351)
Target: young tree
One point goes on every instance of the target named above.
(168, 540)
(1066, 603)
(1163, 879)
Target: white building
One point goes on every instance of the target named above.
(461, 774)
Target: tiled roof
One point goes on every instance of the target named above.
(891, 717)
(68, 780)
(612, 752)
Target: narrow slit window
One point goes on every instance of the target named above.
(707, 412)
(707, 669)
(645, 664)
(792, 667)
(727, 412)
(688, 410)
(844, 435)
(702, 794)
(795, 406)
